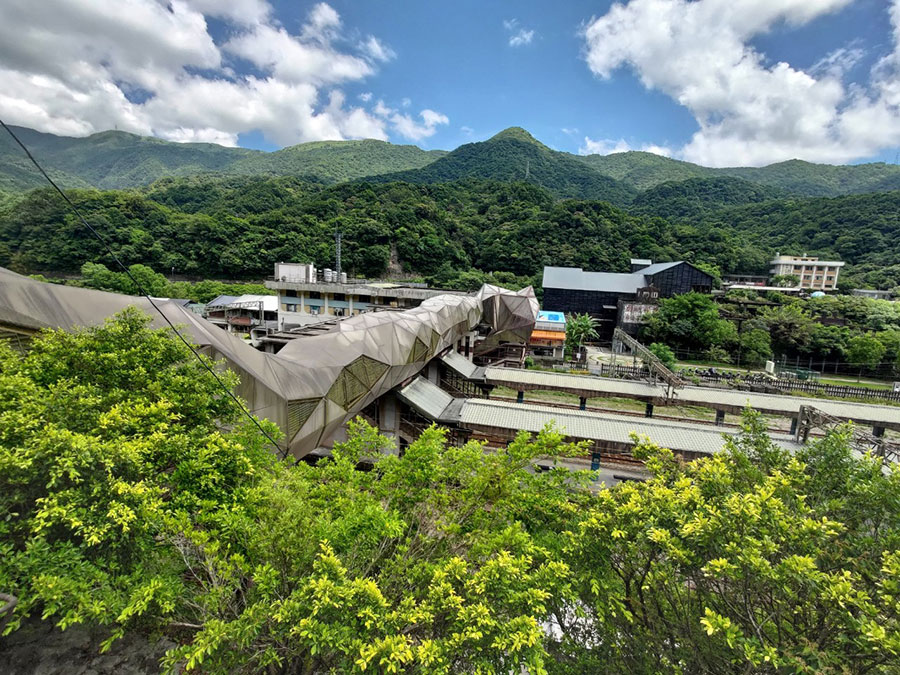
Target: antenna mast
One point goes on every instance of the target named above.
(337, 253)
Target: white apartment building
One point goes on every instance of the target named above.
(306, 295)
(813, 273)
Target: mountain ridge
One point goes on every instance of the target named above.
(117, 159)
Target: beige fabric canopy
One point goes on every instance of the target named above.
(314, 384)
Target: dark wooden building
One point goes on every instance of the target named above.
(617, 298)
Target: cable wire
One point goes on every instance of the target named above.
(144, 293)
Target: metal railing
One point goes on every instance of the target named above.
(811, 418)
(656, 367)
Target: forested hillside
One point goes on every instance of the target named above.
(696, 197)
(863, 230)
(115, 159)
(236, 228)
(514, 155)
(337, 161)
(111, 159)
(643, 170)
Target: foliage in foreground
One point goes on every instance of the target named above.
(126, 506)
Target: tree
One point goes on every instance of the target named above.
(690, 321)
(579, 329)
(865, 351)
(663, 353)
(751, 560)
(756, 347)
(126, 505)
(790, 327)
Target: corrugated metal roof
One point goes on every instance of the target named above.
(656, 268)
(221, 301)
(575, 278)
(776, 403)
(270, 302)
(426, 397)
(596, 426)
(462, 365)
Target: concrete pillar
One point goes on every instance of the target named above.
(582, 403)
(349, 305)
(325, 301)
(389, 416)
(520, 397)
(793, 425)
(720, 418)
(431, 372)
(648, 412)
(878, 432)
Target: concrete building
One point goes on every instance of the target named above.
(812, 272)
(548, 339)
(619, 298)
(243, 313)
(308, 296)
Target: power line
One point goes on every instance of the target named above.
(143, 292)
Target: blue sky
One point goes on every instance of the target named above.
(718, 82)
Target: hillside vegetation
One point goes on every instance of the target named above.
(237, 228)
(643, 170)
(696, 197)
(337, 161)
(514, 155)
(115, 159)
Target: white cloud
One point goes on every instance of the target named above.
(519, 36)
(376, 50)
(408, 127)
(406, 102)
(750, 111)
(365, 97)
(76, 67)
(838, 62)
(607, 146)
(570, 131)
(468, 131)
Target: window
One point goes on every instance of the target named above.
(290, 294)
(340, 297)
(315, 295)
(364, 298)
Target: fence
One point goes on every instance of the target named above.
(748, 382)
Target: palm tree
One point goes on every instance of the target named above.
(579, 329)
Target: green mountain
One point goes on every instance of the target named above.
(110, 159)
(696, 197)
(822, 180)
(337, 161)
(514, 155)
(115, 160)
(644, 170)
